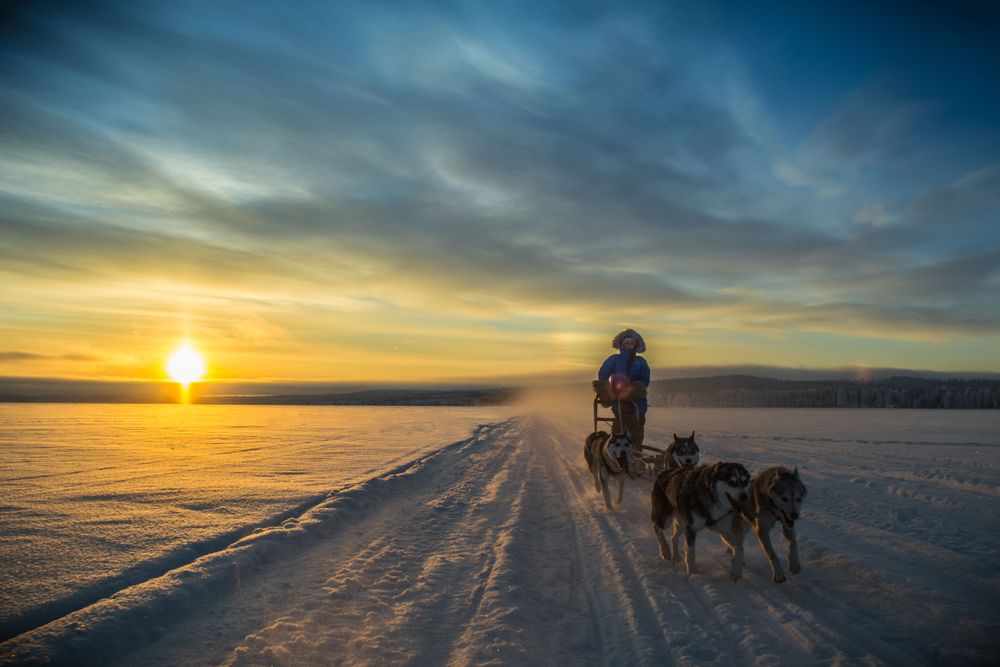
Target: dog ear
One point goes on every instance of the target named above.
(676, 438)
(692, 435)
(771, 483)
(795, 474)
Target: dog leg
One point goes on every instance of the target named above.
(604, 487)
(777, 575)
(621, 488)
(674, 542)
(734, 542)
(793, 550)
(662, 540)
(594, 466)
(689, 555)
(661, 512)
(728, 539)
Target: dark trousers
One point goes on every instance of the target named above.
(633, 421)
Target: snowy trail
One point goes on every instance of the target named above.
(497, 550)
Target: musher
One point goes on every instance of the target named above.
(628, 375)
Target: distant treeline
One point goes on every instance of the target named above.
(169, 392)
(745, 391)
(457, 397)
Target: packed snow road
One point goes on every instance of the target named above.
(497, 549)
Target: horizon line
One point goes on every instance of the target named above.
(665, 373)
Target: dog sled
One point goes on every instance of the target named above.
(648, 461)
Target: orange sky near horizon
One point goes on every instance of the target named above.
(389, 344)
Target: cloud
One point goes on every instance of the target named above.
(868, 126)
(875, 214)
(446, 161)
(789, 174)
(10, 355)
(16, 356)
(970, 202)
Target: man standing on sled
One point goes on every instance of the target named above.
(622, 382)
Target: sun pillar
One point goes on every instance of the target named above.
(185, 366)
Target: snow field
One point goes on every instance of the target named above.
(97, 498)
(497, 550)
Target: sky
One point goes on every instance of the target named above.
(399, 192)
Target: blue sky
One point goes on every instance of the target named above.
(477, 189)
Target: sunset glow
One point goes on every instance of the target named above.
(186, 365)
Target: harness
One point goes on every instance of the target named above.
(752, 515)
(736, 509)
(619, 421)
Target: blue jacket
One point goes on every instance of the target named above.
(616, 364)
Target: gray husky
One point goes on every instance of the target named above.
(776, 495)
(709, 496)
(608, 455)
(681, 453)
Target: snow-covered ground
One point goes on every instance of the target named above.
(99, 497)
(497, 549)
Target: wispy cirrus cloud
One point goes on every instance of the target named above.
(396, 161)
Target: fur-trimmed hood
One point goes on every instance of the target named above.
(617, 341)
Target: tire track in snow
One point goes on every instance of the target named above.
(542, 605)
(583, 566)
(403, 598)
(285, 598)
(652, 613)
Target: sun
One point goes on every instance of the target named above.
(186, 365)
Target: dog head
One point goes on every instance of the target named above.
(786, 492)
(682, 452)
(732, 481)
(617, 450)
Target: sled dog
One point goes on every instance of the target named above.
(709, 496)
(776, 495)
(608, 455)
(681, 453)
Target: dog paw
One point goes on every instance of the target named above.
(795, 568)
(779, 578)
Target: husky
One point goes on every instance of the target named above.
(608, 455)
(681, 453)
(776, 495)
(709, 496)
